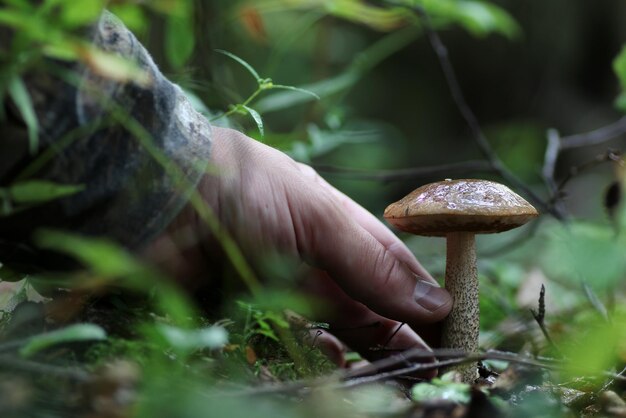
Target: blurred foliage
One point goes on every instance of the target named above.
(444, 388)
(382, 104)
(263, 84)
(72, 333)
(619, 65)
(20, 195)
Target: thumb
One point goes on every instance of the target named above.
(366, 269)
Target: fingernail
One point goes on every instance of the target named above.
(430, 296)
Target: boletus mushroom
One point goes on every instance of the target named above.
(457, 210)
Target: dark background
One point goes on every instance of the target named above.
(556, 74)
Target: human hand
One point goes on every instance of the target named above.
(269, 203)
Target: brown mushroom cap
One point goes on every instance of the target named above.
(466, 205)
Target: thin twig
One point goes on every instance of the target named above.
(595, 137)
(464, 167)
(396, 360)
(556, 144)
(395, 332)
(610, 382)
(413, 355)
(611, 155)
(371, 373)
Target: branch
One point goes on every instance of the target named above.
(409, 173)
(410, 356)
(401, 365)
(595, 137)
(372, 372)
(609, 155)
(611, 380)
(556, 144)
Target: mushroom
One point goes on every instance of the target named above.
(457, 210)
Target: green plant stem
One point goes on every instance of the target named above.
(236, 108)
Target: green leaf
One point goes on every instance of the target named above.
(172, 7)
(112, 66)
(103, 257)
(12, 18)
(362, 63)
(619, 66)
(38, 191)
(214, 337)
(88, 12)
(179, 40)
(21, 98)
(323, 141)
(620, 102)
(279, 300)
(478, 17)
(439, 389)
(257, 118)
(132, 15)
(585, 252)
(374, 401)
(596, 348)
(72, 333)
(247, 66)
(110, 261)
(483, 18)
(21, 4)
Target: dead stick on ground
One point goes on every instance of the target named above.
(369, 374)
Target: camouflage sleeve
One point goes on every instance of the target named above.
(128, 195)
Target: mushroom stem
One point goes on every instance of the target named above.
(460, 329)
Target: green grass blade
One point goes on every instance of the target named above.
(247, 66)
(38, 191)
(21, 98)
(72, 333)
